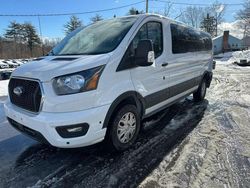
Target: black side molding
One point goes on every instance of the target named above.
(162, 95)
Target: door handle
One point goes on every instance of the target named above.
(164, 64)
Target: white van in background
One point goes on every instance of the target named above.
(103, 79)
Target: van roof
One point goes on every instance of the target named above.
(148, 15)
(158, 16)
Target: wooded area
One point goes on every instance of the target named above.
(13, 50)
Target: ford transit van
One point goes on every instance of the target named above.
(102, 80)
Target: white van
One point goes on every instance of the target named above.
(103, 79)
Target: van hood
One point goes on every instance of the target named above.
(47, 68)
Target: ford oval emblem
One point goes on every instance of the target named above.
(18, 90)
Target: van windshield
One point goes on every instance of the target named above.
(98, 38)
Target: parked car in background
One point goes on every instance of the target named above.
(5, 75)
(25, 60)
(11, 64)
(3, 65)
(243, 62)
(102, 80)
(17, 62)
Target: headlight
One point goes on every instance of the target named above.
(78, 82)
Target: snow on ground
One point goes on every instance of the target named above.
(3, 96)
(217, 152)
(3, 88)
(231, 57)
(191, 144)
(5, 130)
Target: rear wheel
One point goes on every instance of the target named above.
(124, 128)
(200, 94)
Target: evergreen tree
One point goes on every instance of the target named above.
(72, 24)
(96, 18)
(30, 35)
(209, 25)
(134, 11)
(14, 33)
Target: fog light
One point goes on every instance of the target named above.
(72, 131)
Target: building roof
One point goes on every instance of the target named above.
(220, 36)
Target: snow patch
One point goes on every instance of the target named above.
(232, 57)
(4, 88)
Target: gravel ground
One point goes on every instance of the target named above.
(190, 144)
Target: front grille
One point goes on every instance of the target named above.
(28, 94)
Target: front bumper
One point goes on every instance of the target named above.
(45, 124)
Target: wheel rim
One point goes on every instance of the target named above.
(203, 89)
(126, 127)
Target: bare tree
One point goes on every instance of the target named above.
(192, 16)
(244, 16)
(217, 10)
(169, 11)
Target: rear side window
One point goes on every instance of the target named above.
(153, 32)
(185, 39)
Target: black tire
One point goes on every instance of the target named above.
(200, 94)
(112, 139)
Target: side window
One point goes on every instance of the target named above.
(179, 36)
(186, 39)
(141, 35)
(153, 32)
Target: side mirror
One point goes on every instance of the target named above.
(144, 55)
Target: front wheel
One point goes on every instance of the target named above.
(200, 94)
(124, 128)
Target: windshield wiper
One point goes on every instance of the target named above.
(51, 53)
(69, 54)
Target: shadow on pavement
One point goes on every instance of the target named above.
(26, 163)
